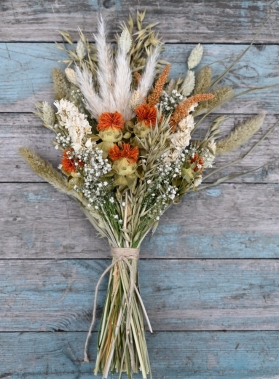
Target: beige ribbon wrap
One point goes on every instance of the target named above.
(119, 254)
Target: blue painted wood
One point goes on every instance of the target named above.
(231, 221)
(231, 355)
(25, 76)
(179, 21)
(185, 295)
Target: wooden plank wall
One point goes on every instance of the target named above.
(209, 276)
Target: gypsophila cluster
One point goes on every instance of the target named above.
(169, 102)
(94, 169)
(208, 158)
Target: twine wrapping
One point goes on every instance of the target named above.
(119, 254)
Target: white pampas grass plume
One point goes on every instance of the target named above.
(123, 76)
(105, 67)
(125, 40)
(195, 56)
(81, 49)
(149, 74)
(71, 76)
(93, 103)
(188, 84)
(240, 134)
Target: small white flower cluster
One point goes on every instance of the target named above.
(76, 124)
(63, 141)
(95, 167)
(169, 102)
(161, 193)
(180, 139)
(208, 158)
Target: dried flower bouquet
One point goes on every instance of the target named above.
(127, 154)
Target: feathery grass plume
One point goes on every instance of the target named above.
(188, 84)
(182, 109)
(81, 49)
(170, 86)
(94, 103)
(105, 68)
(148, 74)
(242, 133)
(44, 169)
(60, 84)
(48, 114)
(203, 80)
(123, 76)
(154, 97)
(195, 56)
(221, 96)
(71, 76)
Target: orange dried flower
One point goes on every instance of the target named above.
(137, 75)
(126, 151)
(198, 161)
(182, 110)
(110, 120)
(68, 164)
(146, 114)
(159, 85)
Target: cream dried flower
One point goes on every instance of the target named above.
(74, 121)
(187, 123)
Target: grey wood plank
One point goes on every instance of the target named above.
(179, 21)
(231, 355)
(230, 221)
(25, 75)
(51, 295)
(18, 130)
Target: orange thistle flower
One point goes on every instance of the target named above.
(126, 151)
(182, 110)
(158, 89)
(68, 164)
(146, 114)
(197, 160)
(110, 120)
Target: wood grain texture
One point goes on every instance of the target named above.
(179, 21)
(18, 130)
(25, 74)
(231, 221)
(181, 295)
(231, 355)
(212, 265)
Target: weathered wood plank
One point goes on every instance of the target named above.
(230, 221)
(25, 75)
(231, 355)
(26, 130)
(210, 294)
(179, 21)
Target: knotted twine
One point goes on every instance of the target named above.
(119, 254)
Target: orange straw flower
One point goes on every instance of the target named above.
(146, 114)
(110, 120)
(126, 151)
(69, 164)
